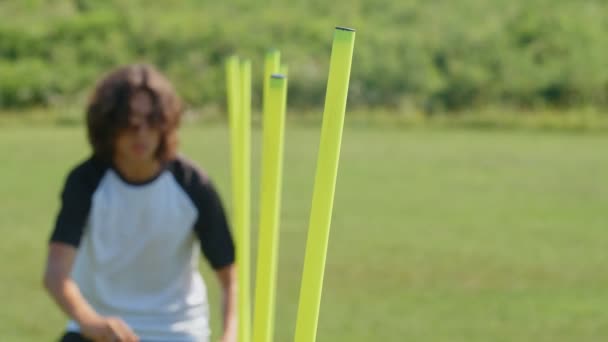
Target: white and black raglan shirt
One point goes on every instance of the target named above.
(138, 246)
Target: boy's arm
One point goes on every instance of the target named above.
(228, 282)
(61, 287)
(66, 293)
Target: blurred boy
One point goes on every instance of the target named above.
(123, 256)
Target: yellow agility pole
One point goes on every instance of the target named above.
(233, 91)
(270, 204)
(325, 181)
(271, 66)
(242, 207)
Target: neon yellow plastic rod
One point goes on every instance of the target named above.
(243, 207)
(272, 60)
(325, 181)
(270, 208)
(233, 90)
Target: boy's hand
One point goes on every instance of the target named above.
(108, 329)
(228, 338)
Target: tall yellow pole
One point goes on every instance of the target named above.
(325, 181)
(270, 207)
(243, 206)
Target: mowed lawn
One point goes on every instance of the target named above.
(437, 235)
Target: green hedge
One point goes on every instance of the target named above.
(428, 55)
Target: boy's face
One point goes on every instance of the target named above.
(139, 141)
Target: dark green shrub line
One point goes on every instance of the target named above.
(431, 56)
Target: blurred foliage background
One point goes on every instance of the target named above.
(411, 55)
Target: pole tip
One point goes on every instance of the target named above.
(342, 28)
(277, 76)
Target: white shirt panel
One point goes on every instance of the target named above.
(139, 239)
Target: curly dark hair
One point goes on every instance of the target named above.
(109, 108)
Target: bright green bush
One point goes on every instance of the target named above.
(429, 55)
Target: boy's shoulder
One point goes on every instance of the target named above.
(187, 172)
(87, 172)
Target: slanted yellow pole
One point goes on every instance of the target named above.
(325, 181)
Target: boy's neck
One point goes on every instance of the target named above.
(139, 171)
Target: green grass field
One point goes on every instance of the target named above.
(437, 235)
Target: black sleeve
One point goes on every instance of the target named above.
(76, 203)
(211, 227)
